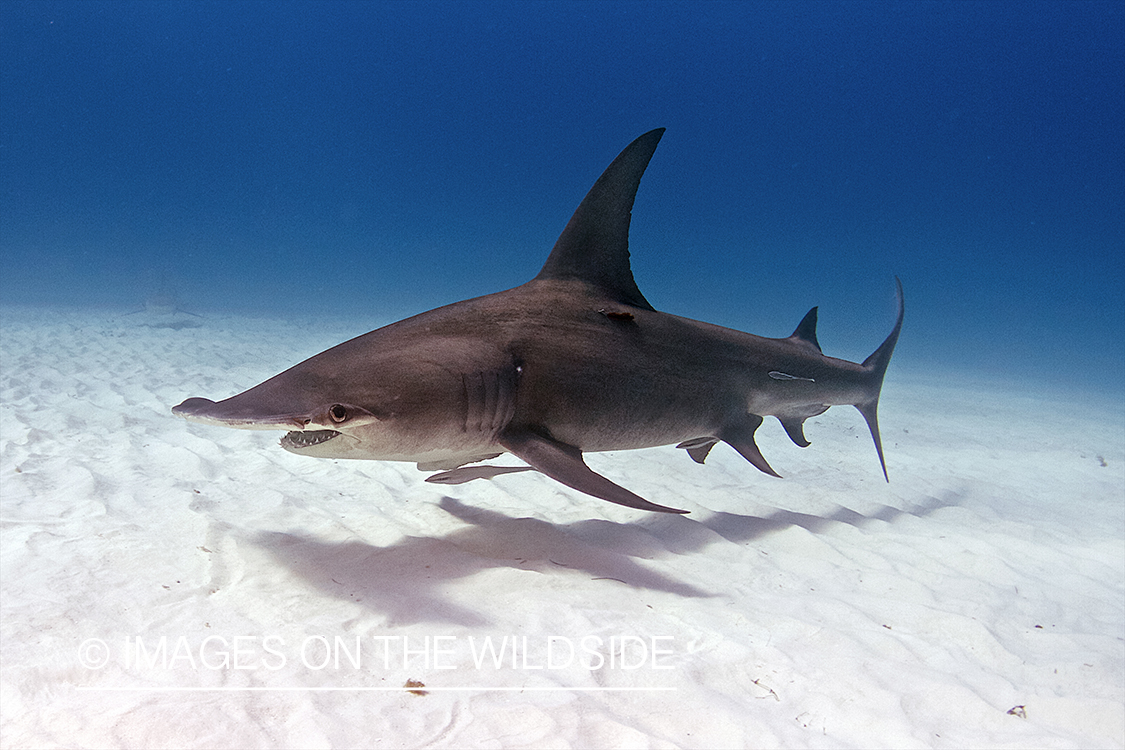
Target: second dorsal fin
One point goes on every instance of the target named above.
(806, 330)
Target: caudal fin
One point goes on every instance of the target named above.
(877, 364)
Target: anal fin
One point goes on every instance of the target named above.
(794, 421)
(564, 464)
(795, 429)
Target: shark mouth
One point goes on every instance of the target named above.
(307, 439)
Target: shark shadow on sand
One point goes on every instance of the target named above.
(409, 581)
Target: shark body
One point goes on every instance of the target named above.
(576, 360)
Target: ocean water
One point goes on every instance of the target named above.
(381, 158)
(262, 180)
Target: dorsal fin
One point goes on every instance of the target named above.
(806, 330)
(594, 246)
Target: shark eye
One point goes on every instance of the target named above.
(338, 413)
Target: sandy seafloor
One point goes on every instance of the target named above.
(828, 609)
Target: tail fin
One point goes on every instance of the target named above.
(877, 363)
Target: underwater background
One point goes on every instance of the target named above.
(377, 159)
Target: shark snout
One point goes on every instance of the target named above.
(231, 413)
(192, 406)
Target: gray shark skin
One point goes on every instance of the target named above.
(575, 360)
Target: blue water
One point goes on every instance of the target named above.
(392, 156)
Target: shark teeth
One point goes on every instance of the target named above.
(308, 438)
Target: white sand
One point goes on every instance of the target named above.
(828, 609)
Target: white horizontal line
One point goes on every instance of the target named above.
(420, 688)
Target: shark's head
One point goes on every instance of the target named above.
(381, 396)
(318, 428)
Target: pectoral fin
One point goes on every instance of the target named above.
(564, 463)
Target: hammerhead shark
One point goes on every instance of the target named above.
(575, 360)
